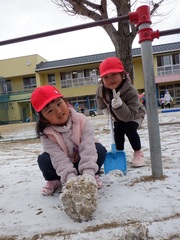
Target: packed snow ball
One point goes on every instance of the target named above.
(79, 197)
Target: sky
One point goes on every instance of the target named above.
(22, 18)
(130, 206)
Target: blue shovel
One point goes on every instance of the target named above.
(116, 159)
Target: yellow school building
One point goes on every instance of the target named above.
(77, 79)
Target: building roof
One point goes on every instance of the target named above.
(96, 58)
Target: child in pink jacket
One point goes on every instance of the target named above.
(67, 139)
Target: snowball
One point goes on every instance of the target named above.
(79, 197)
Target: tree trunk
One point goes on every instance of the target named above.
(124, 52)
(122, 37)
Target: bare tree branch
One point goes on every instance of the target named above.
(155, 6)
(121, 33)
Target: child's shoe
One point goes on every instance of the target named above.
(138, 160)
(98, 182)
(50, 187)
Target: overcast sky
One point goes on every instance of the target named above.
(26, 17)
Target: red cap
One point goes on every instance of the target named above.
(110, 65)
(44, 95)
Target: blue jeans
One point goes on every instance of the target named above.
(48, 171)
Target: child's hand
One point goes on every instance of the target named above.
(116, 101)
(88, 178)
(71, 181)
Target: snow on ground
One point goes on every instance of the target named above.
(131, 206)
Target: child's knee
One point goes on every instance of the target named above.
(43, 157)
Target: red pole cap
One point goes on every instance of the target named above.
(142, 15)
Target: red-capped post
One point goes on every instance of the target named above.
(142, 19)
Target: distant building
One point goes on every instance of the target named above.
(77, 78)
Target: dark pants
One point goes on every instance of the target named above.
(130, 130)
(48, 171)
(168, 105)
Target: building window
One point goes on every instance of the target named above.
(92, 74)
(51, 79)
(163, 61)
(79, 78)
(69, 83)
(29, 82)
(77, 74)
(8, 87)
(168, 65)
(176, 59)
(92, 101)
(66, 75)
(160, 61)
(81, 102)
(164, 88)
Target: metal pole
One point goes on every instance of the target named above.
(151, 103)
(169, 32)
(65, 30)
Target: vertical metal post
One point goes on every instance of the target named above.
(151, 103)
(143, 20)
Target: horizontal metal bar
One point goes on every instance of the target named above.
(65, 30)
(169, 32)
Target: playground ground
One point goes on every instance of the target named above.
(131, 206)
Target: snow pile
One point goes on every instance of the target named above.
(131, 206)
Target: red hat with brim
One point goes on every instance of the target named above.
(44, 95)
(111, 65)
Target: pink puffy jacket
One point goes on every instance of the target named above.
(69, 144)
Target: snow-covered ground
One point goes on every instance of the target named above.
(130, 206)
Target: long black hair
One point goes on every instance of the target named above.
(41, 125)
